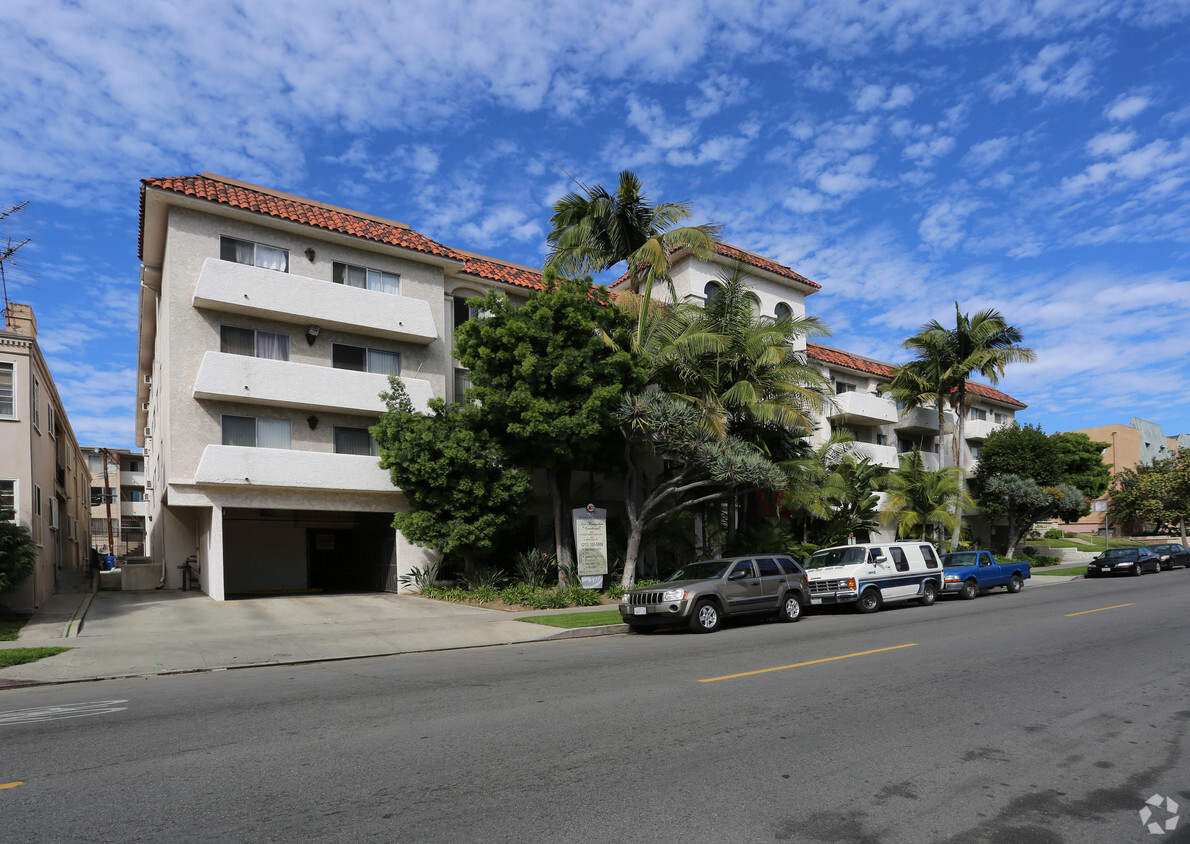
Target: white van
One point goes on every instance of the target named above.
(871, 574)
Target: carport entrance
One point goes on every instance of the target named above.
(355, 560)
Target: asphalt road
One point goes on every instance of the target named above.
(1048, 716)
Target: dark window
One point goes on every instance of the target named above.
(790, 565)
(843, 387)
(768, 566)
(354, 441)
(349, 357)
(898, 558)
(710, 291)
(741, 569)
(928, 553)
(258, 344)
(366, 278)
(783, 311)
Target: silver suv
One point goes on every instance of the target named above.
(702, 594)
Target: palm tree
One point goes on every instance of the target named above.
(595, 230)
(918, 497)
(945, 357)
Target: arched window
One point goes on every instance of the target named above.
(783, 311)
(753, 302)
(711, 291)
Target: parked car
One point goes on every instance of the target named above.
(1134, 561)
(1172, 555)
(872, 574)
(967, 573)
(703, 594)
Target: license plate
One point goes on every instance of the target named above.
(639, 610)
(815, 600)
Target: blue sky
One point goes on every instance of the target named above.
(1030, 157)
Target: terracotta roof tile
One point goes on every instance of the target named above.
(295, 210)
(758, 261)
(497, 271)
(885, 370)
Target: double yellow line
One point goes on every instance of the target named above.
(803, 664)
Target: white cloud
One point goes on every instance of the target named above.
(1057, 72)
(944, 224)
(1126, 107)
(986, 153)
(871, 97)
(1109, 144)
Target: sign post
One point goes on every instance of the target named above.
(590, 545)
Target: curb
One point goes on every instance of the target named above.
(80, 616)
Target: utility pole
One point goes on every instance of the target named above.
(107, 498)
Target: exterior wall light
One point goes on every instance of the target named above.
(311, 334)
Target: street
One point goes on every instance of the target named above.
(1048, 716)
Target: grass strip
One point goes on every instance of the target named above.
(10, 625)
(571, 620)
(19, 656)
(1072, 571)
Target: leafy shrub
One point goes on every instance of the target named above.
(453, 593)
(484, 594)
(420, 579)
(518, 593)
(547, 599)
(577, 596)
(615, 591)
(534, 567)
(17, 552)
(1054, 533)
(478, 575)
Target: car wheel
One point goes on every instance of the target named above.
(791, 607)
(705, 618)
(1137, 571)
(929, 593)
(968, 590)
(870, 601)
(1015, 584)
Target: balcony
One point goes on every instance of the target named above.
(131, 478)
(930, 460)
(883, 455)
(280, 383)
(133, 508)
(978, 429)
(283, 468)
(922, 421)
(238, 288)
(857, 408)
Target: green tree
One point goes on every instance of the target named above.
(1157, 493)
(1080, 462)
(919, 498)
(1023, 450)
(547, 387)
(462, 489)
(675, 464)
(17, 552)
(594, 230)
(1023, 502)
(946, 357)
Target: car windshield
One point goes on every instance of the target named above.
(1119, 553)
(1163, 549)
(962, 558)
(836, 557)
(700, 571)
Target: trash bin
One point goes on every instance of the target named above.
(109, 563)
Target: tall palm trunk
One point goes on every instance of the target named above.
(960, 429)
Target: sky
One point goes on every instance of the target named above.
(1031, 157)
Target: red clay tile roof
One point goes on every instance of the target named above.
(760, 262)
(496, 271)
(295, 210)
(885, 370)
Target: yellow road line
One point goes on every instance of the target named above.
(1101, 609)
(10, 784)
(811, 662)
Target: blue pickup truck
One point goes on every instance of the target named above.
(967, 573)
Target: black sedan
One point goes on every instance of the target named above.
(1134, 561)
(1172, 555)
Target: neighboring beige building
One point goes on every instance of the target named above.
(118, 517)
(43, 477)
(1138, 443)
(268, 327)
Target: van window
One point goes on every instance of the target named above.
(768, 567)
(899, 560)
(827, 557)
(928, 553)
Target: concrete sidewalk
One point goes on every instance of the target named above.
(132, 634)
(137, 634)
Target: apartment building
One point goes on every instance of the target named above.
(43, 478)
(269, 326)
(118, 509)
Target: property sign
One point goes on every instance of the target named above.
(590, 545)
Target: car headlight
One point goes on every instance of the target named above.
(951, 578)
(673, 595)
(1125, 565)
(624, 598)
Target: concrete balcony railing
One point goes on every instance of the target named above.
(978, 429)
(918, 420)
(238, 288)
(863, 409)
(131, 478)
(280, 383)
(929, 460)
(884, 455)
(284, 468)
(133, 508)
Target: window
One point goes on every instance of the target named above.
(975, 451)
(768, 566)
(49, 418)
(881, 439)
(1000, 418)
(710, 291)
(1098, 506)
(135, 494)
(462, 382)
(899, 559)
(8, 395)
(95, 462)
(72, 527)
(99, 527)
(8, 497)
(365, 360)
(136, 464)
(740, 570)
(258, 344)
(978, 414)
(366, 278)
(36, 403)
(254, 254)
(257, 433)
(36, 500)
(97, 498)
(843, 387)
(355, 441)
(928, 553)
(783, 311)
(53, 514)
(461, 311)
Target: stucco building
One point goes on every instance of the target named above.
(43, 477)
(118, 509)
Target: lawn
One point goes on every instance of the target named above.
(1066, 572)
(569, 620)
(19, 656)
(10, 625)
